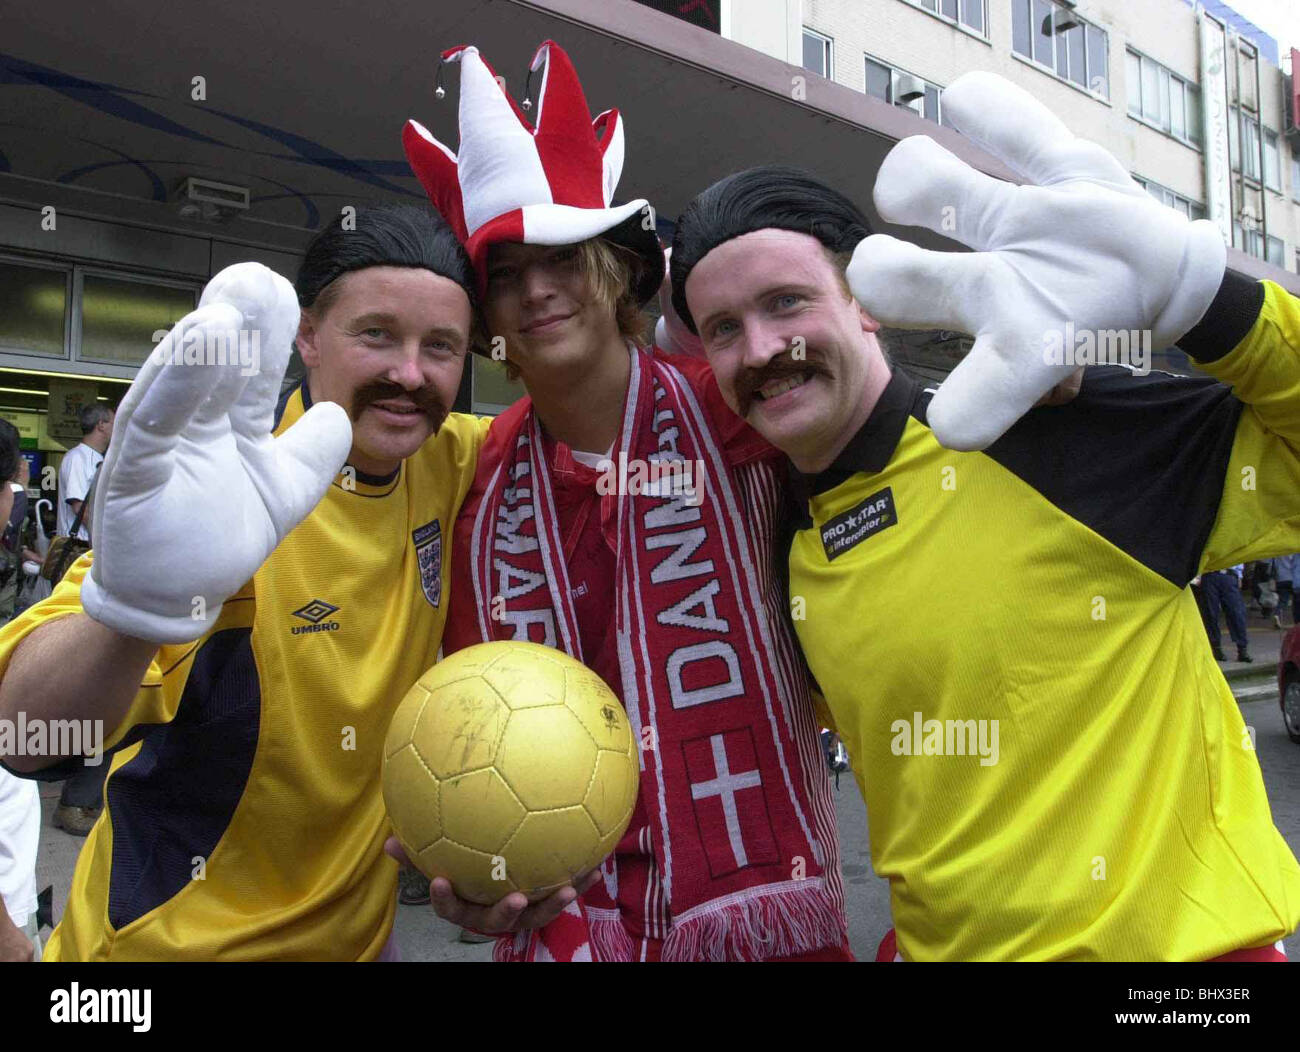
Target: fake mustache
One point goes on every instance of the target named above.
(748, 381)
(425, 399)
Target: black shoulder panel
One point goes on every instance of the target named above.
(1138, 459)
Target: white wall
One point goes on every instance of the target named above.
(774, 27)
(905, 36)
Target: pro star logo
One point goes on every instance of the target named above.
(428, 557)
(849, 529)
(315, 613)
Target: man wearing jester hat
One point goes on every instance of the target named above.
(664, 585)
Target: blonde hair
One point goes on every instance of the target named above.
(612, 273)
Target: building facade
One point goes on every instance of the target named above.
(128, 178)
(1133, 77)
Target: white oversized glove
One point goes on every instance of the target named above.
(1080, 248)
(195, 492)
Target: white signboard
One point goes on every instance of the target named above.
(1214, 112)
(66, 399)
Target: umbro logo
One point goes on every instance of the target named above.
(316, 612)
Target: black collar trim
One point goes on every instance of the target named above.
(872, 448)
(378, 480)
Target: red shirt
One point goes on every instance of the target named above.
(588, 529)
(587, 524)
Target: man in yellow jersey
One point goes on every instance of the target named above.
(1053, 765)
(256, 606)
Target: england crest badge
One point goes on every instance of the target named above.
(428, 554)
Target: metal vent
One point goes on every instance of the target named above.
(224, 195)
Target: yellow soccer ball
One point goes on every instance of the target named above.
(509, 766)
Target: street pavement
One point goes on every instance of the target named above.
(422, 936)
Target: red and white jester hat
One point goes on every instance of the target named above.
(549, 184)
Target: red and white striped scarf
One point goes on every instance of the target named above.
(740, 819)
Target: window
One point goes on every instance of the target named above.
(33, 309)
(1243, 143)
(1251, 241)
(817, 53)
(1295, 172)
(1170, 199)
(969, 13)
(931, 103)
(1244, 133)
(1247, 67)
(1250, 149)
(879, 78)
(119, 316)
(1062, 42)
(901, 88)
(83, 314)
(1076, 43)
(1272, 162)
(1151, 94)
(1020, 29)
(1044, 42)
(1161, 98)
(1098, 61)
(492, 390)
(1177, 112)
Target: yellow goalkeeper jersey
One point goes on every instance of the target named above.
(243, 816)
(1054, 767)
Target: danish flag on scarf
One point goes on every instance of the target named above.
(722, 767)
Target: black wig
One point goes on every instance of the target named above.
(383, 236)
(763, 198)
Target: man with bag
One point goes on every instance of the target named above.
(79, 465)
